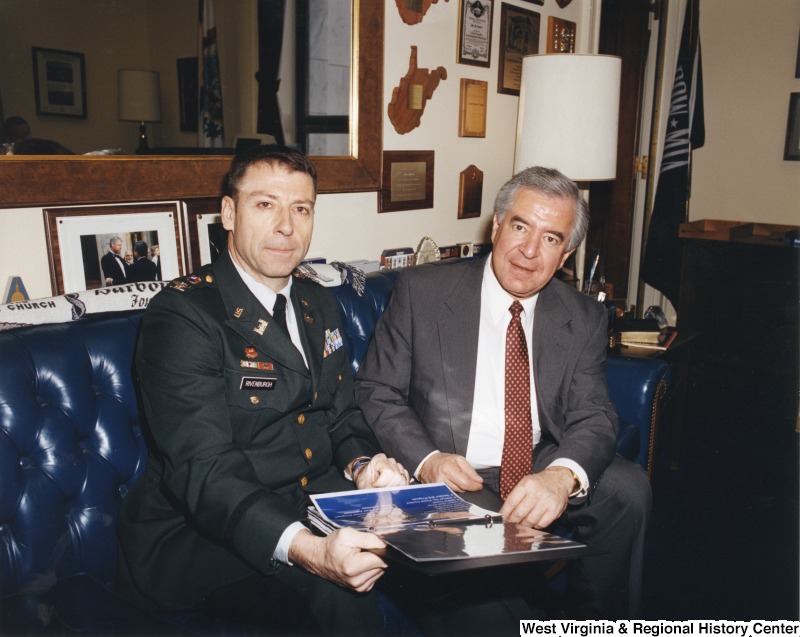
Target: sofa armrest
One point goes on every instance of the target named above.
(638, 387)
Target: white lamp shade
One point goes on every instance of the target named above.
(569, 114)
(139, 97)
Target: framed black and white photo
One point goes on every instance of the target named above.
(59, 80)
(79, 237)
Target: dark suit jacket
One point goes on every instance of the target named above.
(417, 381)
(143, 269)
(111, 270)
(240, 433)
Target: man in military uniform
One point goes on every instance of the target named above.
(250, 410)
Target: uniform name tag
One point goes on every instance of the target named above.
(254, 382)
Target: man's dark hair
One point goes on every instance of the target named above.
(140, 249)
(275, 155)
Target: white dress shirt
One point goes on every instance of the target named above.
(487, 428)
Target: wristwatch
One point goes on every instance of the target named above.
(577, 487)
(352, 468)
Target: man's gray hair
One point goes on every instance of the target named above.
(551, 183)
(114, 239)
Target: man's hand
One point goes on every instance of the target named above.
(453, 470)
(381, 472)
(538, 500)
(340, 557)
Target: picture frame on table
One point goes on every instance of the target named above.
(791, 151)
(59, 82)
(204, 233)
(78, 238)
(519, 36)
(407, 182)
(475, 32)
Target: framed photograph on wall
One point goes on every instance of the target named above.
(79, 240)
(475, 32)
(792, 149)
(407, 180)
(59, 82)
(519, 36)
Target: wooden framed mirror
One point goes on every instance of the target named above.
(48, 180)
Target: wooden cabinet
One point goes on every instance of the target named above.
(740, 291)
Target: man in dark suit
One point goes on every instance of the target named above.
(143, 269)
(115, 270)
(247, 415)
(433, 387)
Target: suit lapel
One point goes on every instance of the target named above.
(552, 341)
(250, 320)
(458, 327)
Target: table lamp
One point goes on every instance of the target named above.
(568, 118)
(139, 100)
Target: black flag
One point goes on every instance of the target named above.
(661, 266)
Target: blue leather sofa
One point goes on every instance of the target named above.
(71, 446)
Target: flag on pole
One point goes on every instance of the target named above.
(211, 130)
(661, 266)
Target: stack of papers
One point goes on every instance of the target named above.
(430, 522)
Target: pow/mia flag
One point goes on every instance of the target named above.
(661, 266)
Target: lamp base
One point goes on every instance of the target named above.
(143, 147)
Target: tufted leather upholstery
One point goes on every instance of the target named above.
(71, 447)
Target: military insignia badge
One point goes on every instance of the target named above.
(333, 341)
(261, 327)
(194, 279)
(178, 285)
(251, 352)
(265, 367)
(238, 312)
(308, 319)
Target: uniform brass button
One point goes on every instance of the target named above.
(301, 418)
(309, 454)
(304, 482)
(254, 400)
(340, 377)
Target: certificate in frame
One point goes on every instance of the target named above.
(475, 32)
(472, 108)
(519, 36)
